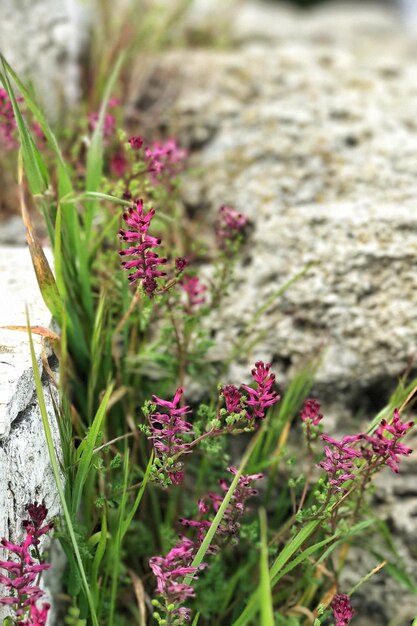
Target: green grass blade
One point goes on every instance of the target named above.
(198, 559)
(58, 252)
(95, 152)
(86, 451)
(138, 499)
(279, 563)
(35, 168)
(117, 545)
(97, 346)
(306, 553)
(267, 609)
(292, 547)
(40, 117)
(98, 557)
(57, 475)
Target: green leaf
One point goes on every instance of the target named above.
(65, 180)
(198, 559)
(306, 553)
(98, 557)
(35, 168)
(288, 551)
(267, 610)
(292, 546)
(126, 523)
(195, 620)
(86, 451)
(95, 152)
(58, 253)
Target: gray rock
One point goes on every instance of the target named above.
(12, 231)
(25, 469)
(42, 40)
(314, 139)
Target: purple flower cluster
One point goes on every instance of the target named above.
(310, 412)
(145, 262)
(135, 142)
(194, 290)
(339, 463)
(7, 122)
(229, 225)
(342, 609)
(262, 396)
(229, 526)
(385, 441)
(232, 398)
(167, 431)
(23, 570)
(383, 447)
(171, 569)
(109, 124)
(165, 159)
(181, 263)
(118, 164)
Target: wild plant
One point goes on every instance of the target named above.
(183, 496)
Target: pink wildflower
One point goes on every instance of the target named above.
(135, 142)
(342, 609)
(194, 290)
(109, 123)
(164, 158)
(118, 164)
(385, 441)
(311, 412)
(23, 571)
(7, 122)
(170, 571)
(339, 460)
(229, 526)
(262, 396)
(167, 431)
(145, 262)
(232, 398)
(37, 617)
(34, 526)
(181, 263)
(230, 223)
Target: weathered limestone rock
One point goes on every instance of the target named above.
(309, 128)
(315, 139)
(42, 39)
(25, 472)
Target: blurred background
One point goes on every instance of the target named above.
(67, 49)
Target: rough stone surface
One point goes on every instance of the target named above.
(25, 472)
(309, 127)
(42, 39)
(314, 137)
